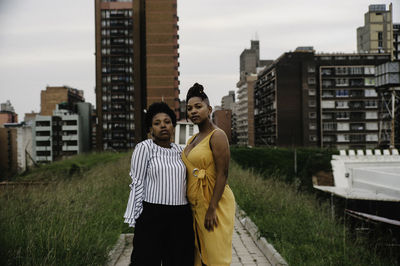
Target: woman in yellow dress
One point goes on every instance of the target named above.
(206, 157)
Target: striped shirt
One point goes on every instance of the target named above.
(158, 176)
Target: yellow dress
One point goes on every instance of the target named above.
(215, 246)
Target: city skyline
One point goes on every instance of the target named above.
(46, 43)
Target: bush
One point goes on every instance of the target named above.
(279, 162)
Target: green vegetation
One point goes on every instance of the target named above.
(279, 162)
(73, 221)
(74, 166)
(77, 218)
(296, 224)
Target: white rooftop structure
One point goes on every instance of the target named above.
(373, 175)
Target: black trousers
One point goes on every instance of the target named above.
(163, 234)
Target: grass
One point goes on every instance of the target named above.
(74, 221)
(73, 166)
(297, 224)
(77, 218)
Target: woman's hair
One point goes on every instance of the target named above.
(156, 108)
(197, 90)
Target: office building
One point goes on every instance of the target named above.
(63, 134)
(245, 110)
(250, 65)
(150, 65)
(376, 36)
(320, 100)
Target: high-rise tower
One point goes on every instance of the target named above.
(376, 36)
(136, 64)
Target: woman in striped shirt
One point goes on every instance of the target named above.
(157, 205)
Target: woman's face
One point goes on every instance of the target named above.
(197, 110)
(162, 127)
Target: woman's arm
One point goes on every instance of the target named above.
(138, 173)
(220, 150)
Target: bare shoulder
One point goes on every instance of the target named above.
(219, 138)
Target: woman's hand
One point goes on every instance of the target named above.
(211, 219)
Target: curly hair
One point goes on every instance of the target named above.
(156, 108)
(197, 90)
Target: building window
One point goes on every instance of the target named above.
(312, 126)
(328, 138)
(327, 83)
(356, 70)
(342, 93)
(312, 115)
(311, 81)
(342, 104)
(371, 115)
(343, 138)
(326, 71)
(357, 126)
(371, 104)
(342, 82)
(327, 116)
(341, 71)
(312, 103)
(342, 126)
(342, 115)
(372, 137)
(369, 70)
(369, 81)
(370, 93)
(313, 138)
(372, 126)
(327, 94)
(329, 126)
(311, 92)
(328, 104)
(311, 69)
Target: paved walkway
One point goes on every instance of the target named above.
(244, 250)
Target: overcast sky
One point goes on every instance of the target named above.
(51, 42)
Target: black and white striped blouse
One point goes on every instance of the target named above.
(158, 176)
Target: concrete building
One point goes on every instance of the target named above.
(65, 95)
(324, 100)
(15, 149)
(63, 134)
(7, 114)
(153, 71)
(245, 110)
(376, 36)
(223, 120)
(228, 100)
(250, 65)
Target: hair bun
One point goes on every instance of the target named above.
(197, 90)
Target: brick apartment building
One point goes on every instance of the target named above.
(54, 95)
(321, 100)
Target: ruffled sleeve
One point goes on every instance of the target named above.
(139, 164)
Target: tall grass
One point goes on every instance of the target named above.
(296, 224)
(74, 221)
(73, 166)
